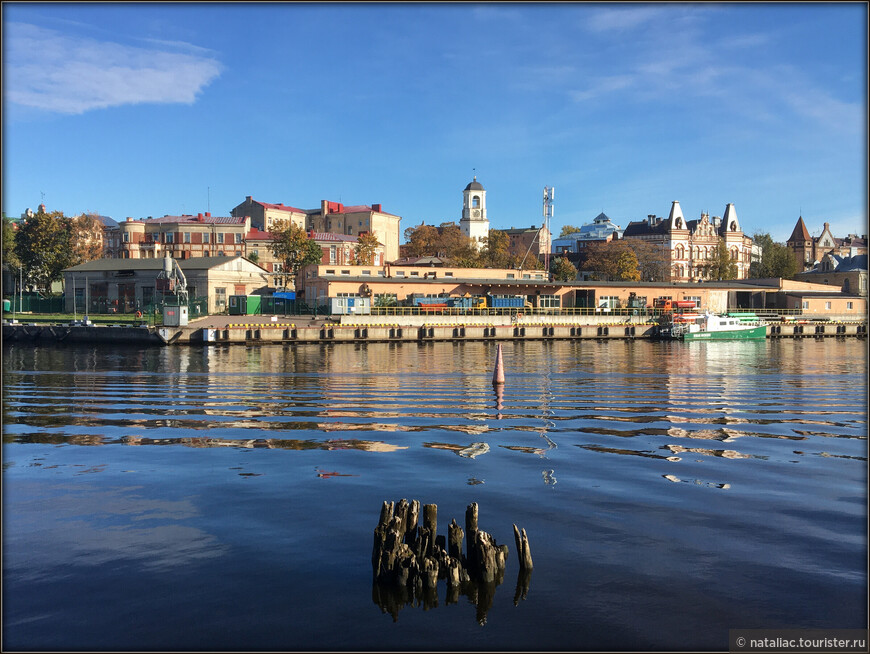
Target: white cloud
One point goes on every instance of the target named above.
(47, 70)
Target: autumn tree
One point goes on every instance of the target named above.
(563, 270)
(611, 261)
(777, 260)
(494, 253)
(9, 256)
(422, 240)
(365, 249)
(722, 266)
(652, 260)
(293, 249)
(86, 238)
(568, 229)
(42, 245)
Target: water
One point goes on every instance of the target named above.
(224, 499)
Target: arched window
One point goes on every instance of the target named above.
(679, 252)
(475, 201)
(733, 254)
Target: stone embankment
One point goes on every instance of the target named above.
(253, 330)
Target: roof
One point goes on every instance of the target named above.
(194, 263)
(474, 185)
(205, 219)
(259, 235)
(522, 230)
(800, 232)
(329, 236)
(642, 228)
(280, 207)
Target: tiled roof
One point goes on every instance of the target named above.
(208, 220)
(257, 234)
(328, 236)
(642, 227)
(194, 263)
(280, 207)
(800, 232)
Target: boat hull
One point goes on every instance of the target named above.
(751, 333)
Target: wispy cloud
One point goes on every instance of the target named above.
(48, 70)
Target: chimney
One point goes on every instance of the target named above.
(208, 214)
(129, 219)
(651, 219)
(248, 199)
(376, 207)
(199, 217)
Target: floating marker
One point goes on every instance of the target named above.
(498, 373)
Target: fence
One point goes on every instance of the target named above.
(34, 303)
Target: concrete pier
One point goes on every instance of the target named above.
(253, 330)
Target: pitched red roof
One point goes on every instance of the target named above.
(280, 207)
(201, 219)
(800, 232)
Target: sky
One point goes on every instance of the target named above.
(165, 109)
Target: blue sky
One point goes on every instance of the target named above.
(154, 109)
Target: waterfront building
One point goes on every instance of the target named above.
(336, 218)
(474, 222)
(690, 245)
(263, 214)
(809, 250)
(183, 237)
(532, 241)
(601, 229)
(124, 286)
(847, 273)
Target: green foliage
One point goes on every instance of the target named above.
(42, 245)
(563, 270)
(777, 260)
(721, 267)
(568, 229)
(446, 241)
(365, 249)
(293, 248)
(9, 256)
(254, 257)
(626, 267)
(86, 238)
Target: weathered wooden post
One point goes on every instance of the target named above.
(524, 554)
(454, 540)
(430, 522)
(471, 531)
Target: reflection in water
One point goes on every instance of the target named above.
(392, 598)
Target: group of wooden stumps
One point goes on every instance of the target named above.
(409, 559)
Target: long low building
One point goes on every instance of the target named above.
(386, 285)
(124, 285)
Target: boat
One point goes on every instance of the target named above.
(714, 327)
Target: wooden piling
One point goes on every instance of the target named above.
(524, 554)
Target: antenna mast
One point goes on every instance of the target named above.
(549, 194)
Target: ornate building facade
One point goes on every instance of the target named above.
(691, 245)
(810, 250)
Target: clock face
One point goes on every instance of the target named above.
(476, 213)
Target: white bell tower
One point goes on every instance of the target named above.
(474, 223)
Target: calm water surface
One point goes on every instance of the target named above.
(225, 498)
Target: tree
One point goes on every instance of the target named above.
(612, 261)
(9, 256)
(365, 249)
(721, 267)
(42, 245)
(652, 261)
(626, 266)
(494, 253)
(422, 240)
(563, 270)
(293, 249)
(568, 229)
(86, 238)
(777, 260)
(254, 257)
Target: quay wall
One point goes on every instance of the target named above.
(265, 332)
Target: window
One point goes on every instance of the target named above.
(205, 253)
(278, 267)
(849, 306)
(331, 254)
(220, 237)
(170, 237)
(330, 272)
(511, 276)
(187, 237)
(400, 273)
(549, 301)
(805, 304)
(205, 237)
(366, 272)
(220, 297)
(238, 238)
(448, 274)
(415, 273)
(345, 272)
(126, 237)
(827, 306)
(694, 298)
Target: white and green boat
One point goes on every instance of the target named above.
(712, 327)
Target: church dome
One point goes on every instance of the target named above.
(474, 185)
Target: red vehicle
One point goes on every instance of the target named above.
(671, 305)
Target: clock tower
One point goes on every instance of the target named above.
(474, 223)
